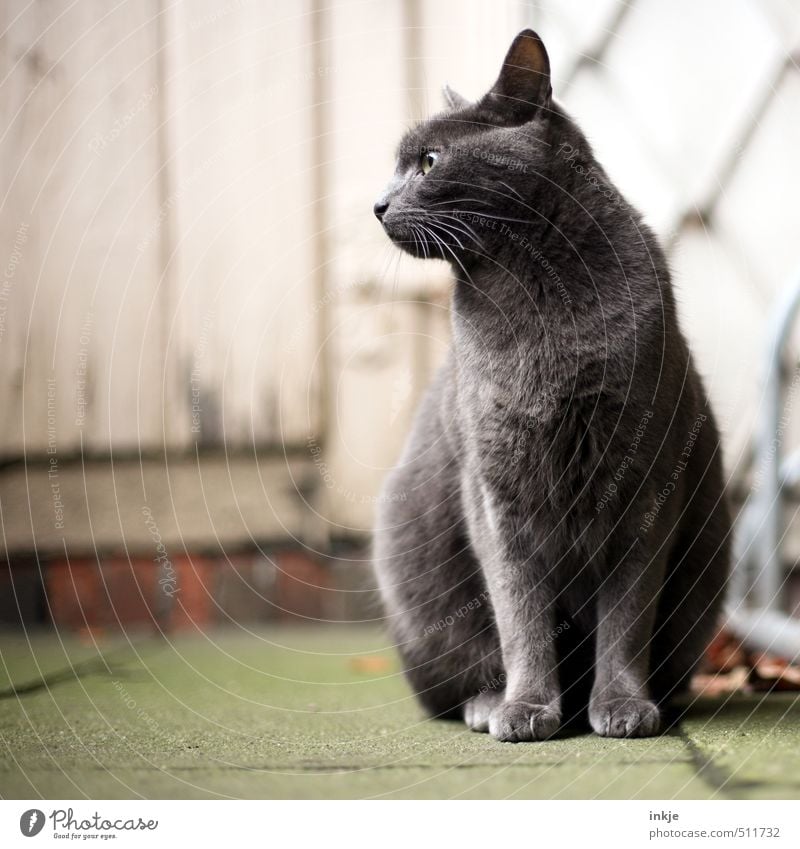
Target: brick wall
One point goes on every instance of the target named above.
(97, 595)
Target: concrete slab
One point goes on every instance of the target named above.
(325, 713)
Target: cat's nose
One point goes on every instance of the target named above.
(380, 208)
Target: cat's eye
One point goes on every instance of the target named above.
(428, 160)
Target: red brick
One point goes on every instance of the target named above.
(195, 589)
(74, 596)
(304, 587)
(129, 591)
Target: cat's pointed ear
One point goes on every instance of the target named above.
(453, 99)
(523, 86)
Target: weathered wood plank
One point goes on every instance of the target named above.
(83, 339)
(194, 503)
(241, 79)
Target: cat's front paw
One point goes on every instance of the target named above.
(625, 717)
(518, 722)
(479, 708)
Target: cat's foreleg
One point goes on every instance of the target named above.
(620, 703)
(531, 706)
(522, 597)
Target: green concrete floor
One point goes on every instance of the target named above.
(325, 713)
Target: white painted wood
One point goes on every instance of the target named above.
(165, 206)
(242, 79)
(80, 154)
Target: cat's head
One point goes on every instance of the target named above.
(469, 178)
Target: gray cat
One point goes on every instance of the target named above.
(554, 542)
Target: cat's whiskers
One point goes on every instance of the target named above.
(422, 240)
(414, 240)
(463, 228)
(512, 189)
(445, 229)
(436, 240)
(489, 215)
(395, 283)
(389, 254)
(455, 257)
(447, 232)
(421, 214)
(459, 200)
(450, 233)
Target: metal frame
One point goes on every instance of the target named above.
(755, 612)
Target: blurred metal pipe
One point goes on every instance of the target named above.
(767, 631)
(758, 572)
(767, 500)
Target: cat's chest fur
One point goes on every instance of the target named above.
(534, 409)
(529, 445)
(527, 450)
